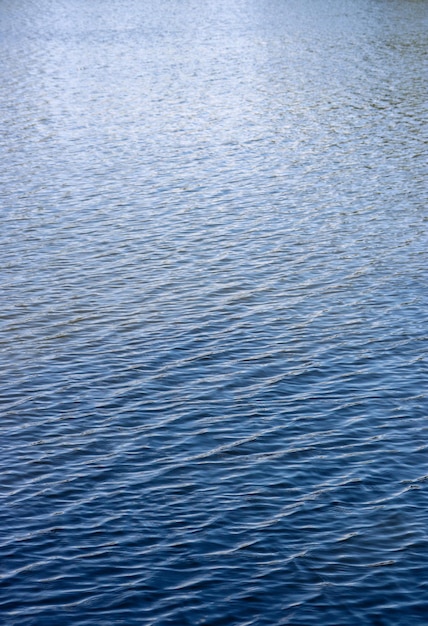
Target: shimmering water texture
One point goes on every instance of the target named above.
(213, 252)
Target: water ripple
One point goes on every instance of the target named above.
(213, 334)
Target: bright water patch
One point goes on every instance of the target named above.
(214, 314)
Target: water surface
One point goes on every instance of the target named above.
(214, 313)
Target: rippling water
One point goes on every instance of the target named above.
(214, 313)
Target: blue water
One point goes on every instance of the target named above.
(213, 252)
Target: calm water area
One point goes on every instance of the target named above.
(214, 313)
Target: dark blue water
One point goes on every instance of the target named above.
(213, 251)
